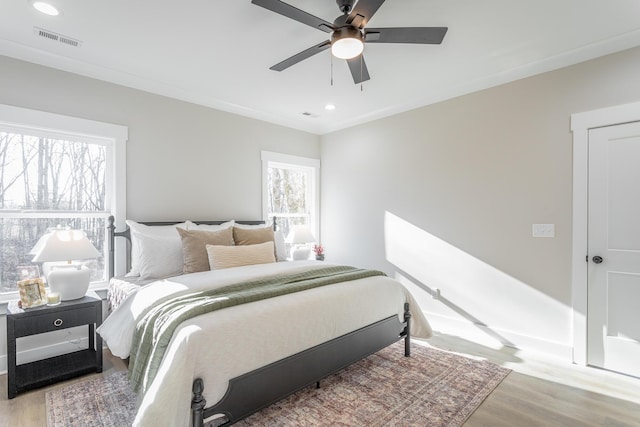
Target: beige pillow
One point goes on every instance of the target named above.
(236, 256)
(194, 250)
(252, 236)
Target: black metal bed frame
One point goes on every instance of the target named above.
(250, 392)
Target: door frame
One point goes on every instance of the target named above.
(581, 123)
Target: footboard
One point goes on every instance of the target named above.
(255, 390)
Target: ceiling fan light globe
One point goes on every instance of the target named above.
(347, 48)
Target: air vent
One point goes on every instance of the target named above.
(41, 32)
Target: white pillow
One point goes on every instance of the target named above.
(281, 249)
(209, 227)
(237, 256)
(153, 246)
(161, 257)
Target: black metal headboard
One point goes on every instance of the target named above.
(111, 227)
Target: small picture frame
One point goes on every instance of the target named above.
(32, 292)
(28, 272)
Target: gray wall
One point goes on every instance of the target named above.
(183, 160)
(445, 197)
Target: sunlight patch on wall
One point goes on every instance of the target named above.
(470, 289)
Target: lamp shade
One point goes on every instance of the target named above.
(40, 243)
(299, 235)
(64, 245)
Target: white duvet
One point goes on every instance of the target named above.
(224, 344)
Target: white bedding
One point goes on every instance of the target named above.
(121, 287)
(224, 344)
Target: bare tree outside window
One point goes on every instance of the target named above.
(288, 190)
(48, 182)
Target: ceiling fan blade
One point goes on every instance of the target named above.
(296, 14)
(363, 12)
(358, 69)
(308, 53)
(421, 35)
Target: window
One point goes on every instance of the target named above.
(291, 191)
(56, 171)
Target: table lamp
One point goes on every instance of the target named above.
(300, 236)
(70, 280)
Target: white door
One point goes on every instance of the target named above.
(613, 313)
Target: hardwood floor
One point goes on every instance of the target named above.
(28, 409)
(543, 391)
(539, 392)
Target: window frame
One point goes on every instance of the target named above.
(311, 165)
(113, 136)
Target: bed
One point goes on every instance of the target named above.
(247, 356)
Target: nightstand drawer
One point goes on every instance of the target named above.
(48, 322)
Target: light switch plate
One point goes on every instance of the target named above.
(544, 230)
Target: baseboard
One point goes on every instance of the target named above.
(496, 337)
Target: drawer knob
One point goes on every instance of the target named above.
(57, 322)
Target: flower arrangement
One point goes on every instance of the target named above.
(319, 251)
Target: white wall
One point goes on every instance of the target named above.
(184, 161)
(445, 197)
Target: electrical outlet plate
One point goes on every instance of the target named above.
(544, 230)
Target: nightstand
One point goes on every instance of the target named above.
(38, 320)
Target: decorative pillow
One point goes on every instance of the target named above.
(160, 257)
(244, 233)
(281, 249)
(144, 238)
(209, 227)
(252, 236)
(194, 249)
(236, 256)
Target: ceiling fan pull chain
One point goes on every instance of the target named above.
(331, 69)
(361, 84)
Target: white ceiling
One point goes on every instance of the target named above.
(218, 53)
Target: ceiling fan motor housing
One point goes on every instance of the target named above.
(346, 32)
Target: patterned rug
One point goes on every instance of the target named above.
(431, 388)
(105, 401)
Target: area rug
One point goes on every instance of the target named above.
(105, 401)
(431, 388)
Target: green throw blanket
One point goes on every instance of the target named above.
(153, 333)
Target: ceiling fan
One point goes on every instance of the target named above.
(348, 33)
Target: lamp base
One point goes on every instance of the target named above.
(300, 253)
(71, 281)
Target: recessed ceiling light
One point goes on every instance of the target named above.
(46, 8)
(329, 107)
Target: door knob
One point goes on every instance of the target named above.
(597, 259)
